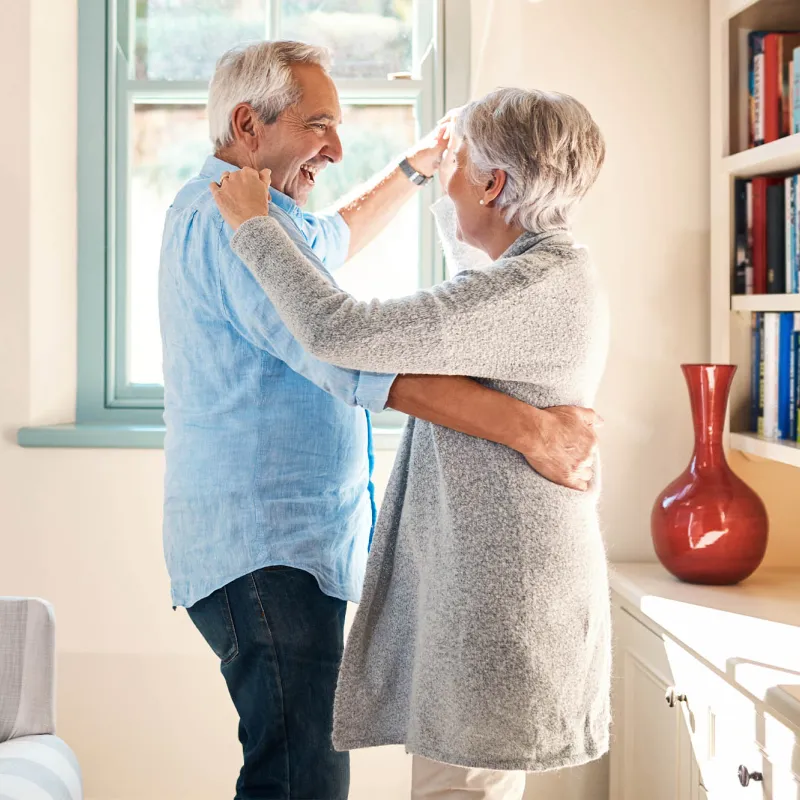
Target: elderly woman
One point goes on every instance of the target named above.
(482, 638)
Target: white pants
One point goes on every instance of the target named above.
(431, 780)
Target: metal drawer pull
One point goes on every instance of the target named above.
(745, 776)
(673, 697)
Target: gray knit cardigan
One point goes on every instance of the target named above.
(483, 634)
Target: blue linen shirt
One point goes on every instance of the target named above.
(268, 456)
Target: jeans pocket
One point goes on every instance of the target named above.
(212, 617)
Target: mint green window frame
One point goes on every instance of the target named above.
(105, 94)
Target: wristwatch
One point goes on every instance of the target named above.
(413, 175)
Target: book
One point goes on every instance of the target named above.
(759, 252)
(740, 266)
(795, 242)
(756, 404)
(756, 80)
(796, 90)
(785, 374)
(796, 382)
(793, 375)
(771, 354)
(790, 231)
(776, 238)
(749, 270)
(762, 343)
(771, 107)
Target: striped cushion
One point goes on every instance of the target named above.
(39, 768)
(27, 647)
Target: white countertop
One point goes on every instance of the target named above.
(750, 632)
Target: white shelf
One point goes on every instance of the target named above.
(775, 157)
(765, 302)
(784, 452)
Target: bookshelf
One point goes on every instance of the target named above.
(765, 302)
(730, 315)
(775, 157)
(785, 452)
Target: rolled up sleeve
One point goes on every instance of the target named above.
(329, 238)
(372, 391)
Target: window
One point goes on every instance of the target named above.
(144, 72)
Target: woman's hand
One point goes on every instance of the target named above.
(426, 156)
(242, 195)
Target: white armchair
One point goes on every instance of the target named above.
(34, 763)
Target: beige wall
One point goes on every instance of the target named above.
(140, 698)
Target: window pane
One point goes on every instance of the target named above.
(169, 144)
(181, 40)
(369, 38)
(372, 136)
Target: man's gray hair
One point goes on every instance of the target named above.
(260, 75)
(548, 145)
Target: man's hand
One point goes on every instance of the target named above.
(242, 195)
(563, 445)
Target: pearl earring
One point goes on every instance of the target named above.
(481, 202)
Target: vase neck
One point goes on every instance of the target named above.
(709, 387)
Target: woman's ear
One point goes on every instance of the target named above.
(494, 185)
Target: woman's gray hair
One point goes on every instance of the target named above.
(261, 76)
(547, 144)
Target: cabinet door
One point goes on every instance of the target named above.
(651, 754)
(725, 726)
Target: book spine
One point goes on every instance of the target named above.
(785, 332)
(783, 103)
(788, 245)
(796, 386)
(790, 99)
(762, 343)
(759, 235)
(740, 218)
(796, 90)
(757, 90)
(772, 80)
(755, 369)
(776, 238)
(749, 270)
(771, 355)
(792, 389)
(796, 231)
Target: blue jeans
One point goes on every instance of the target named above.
(280, 640)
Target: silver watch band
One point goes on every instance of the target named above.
(412, 174)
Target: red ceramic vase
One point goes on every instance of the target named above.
(708, 525)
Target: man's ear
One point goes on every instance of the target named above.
(244, 124)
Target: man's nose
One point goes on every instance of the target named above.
(333, 147)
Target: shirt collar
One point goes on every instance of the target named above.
(214, 167)
(529, 240)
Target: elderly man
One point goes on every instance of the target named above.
(268, 499)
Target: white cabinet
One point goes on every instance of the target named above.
(702, 711)
(651, 753)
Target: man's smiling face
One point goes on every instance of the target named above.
(304, 139)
